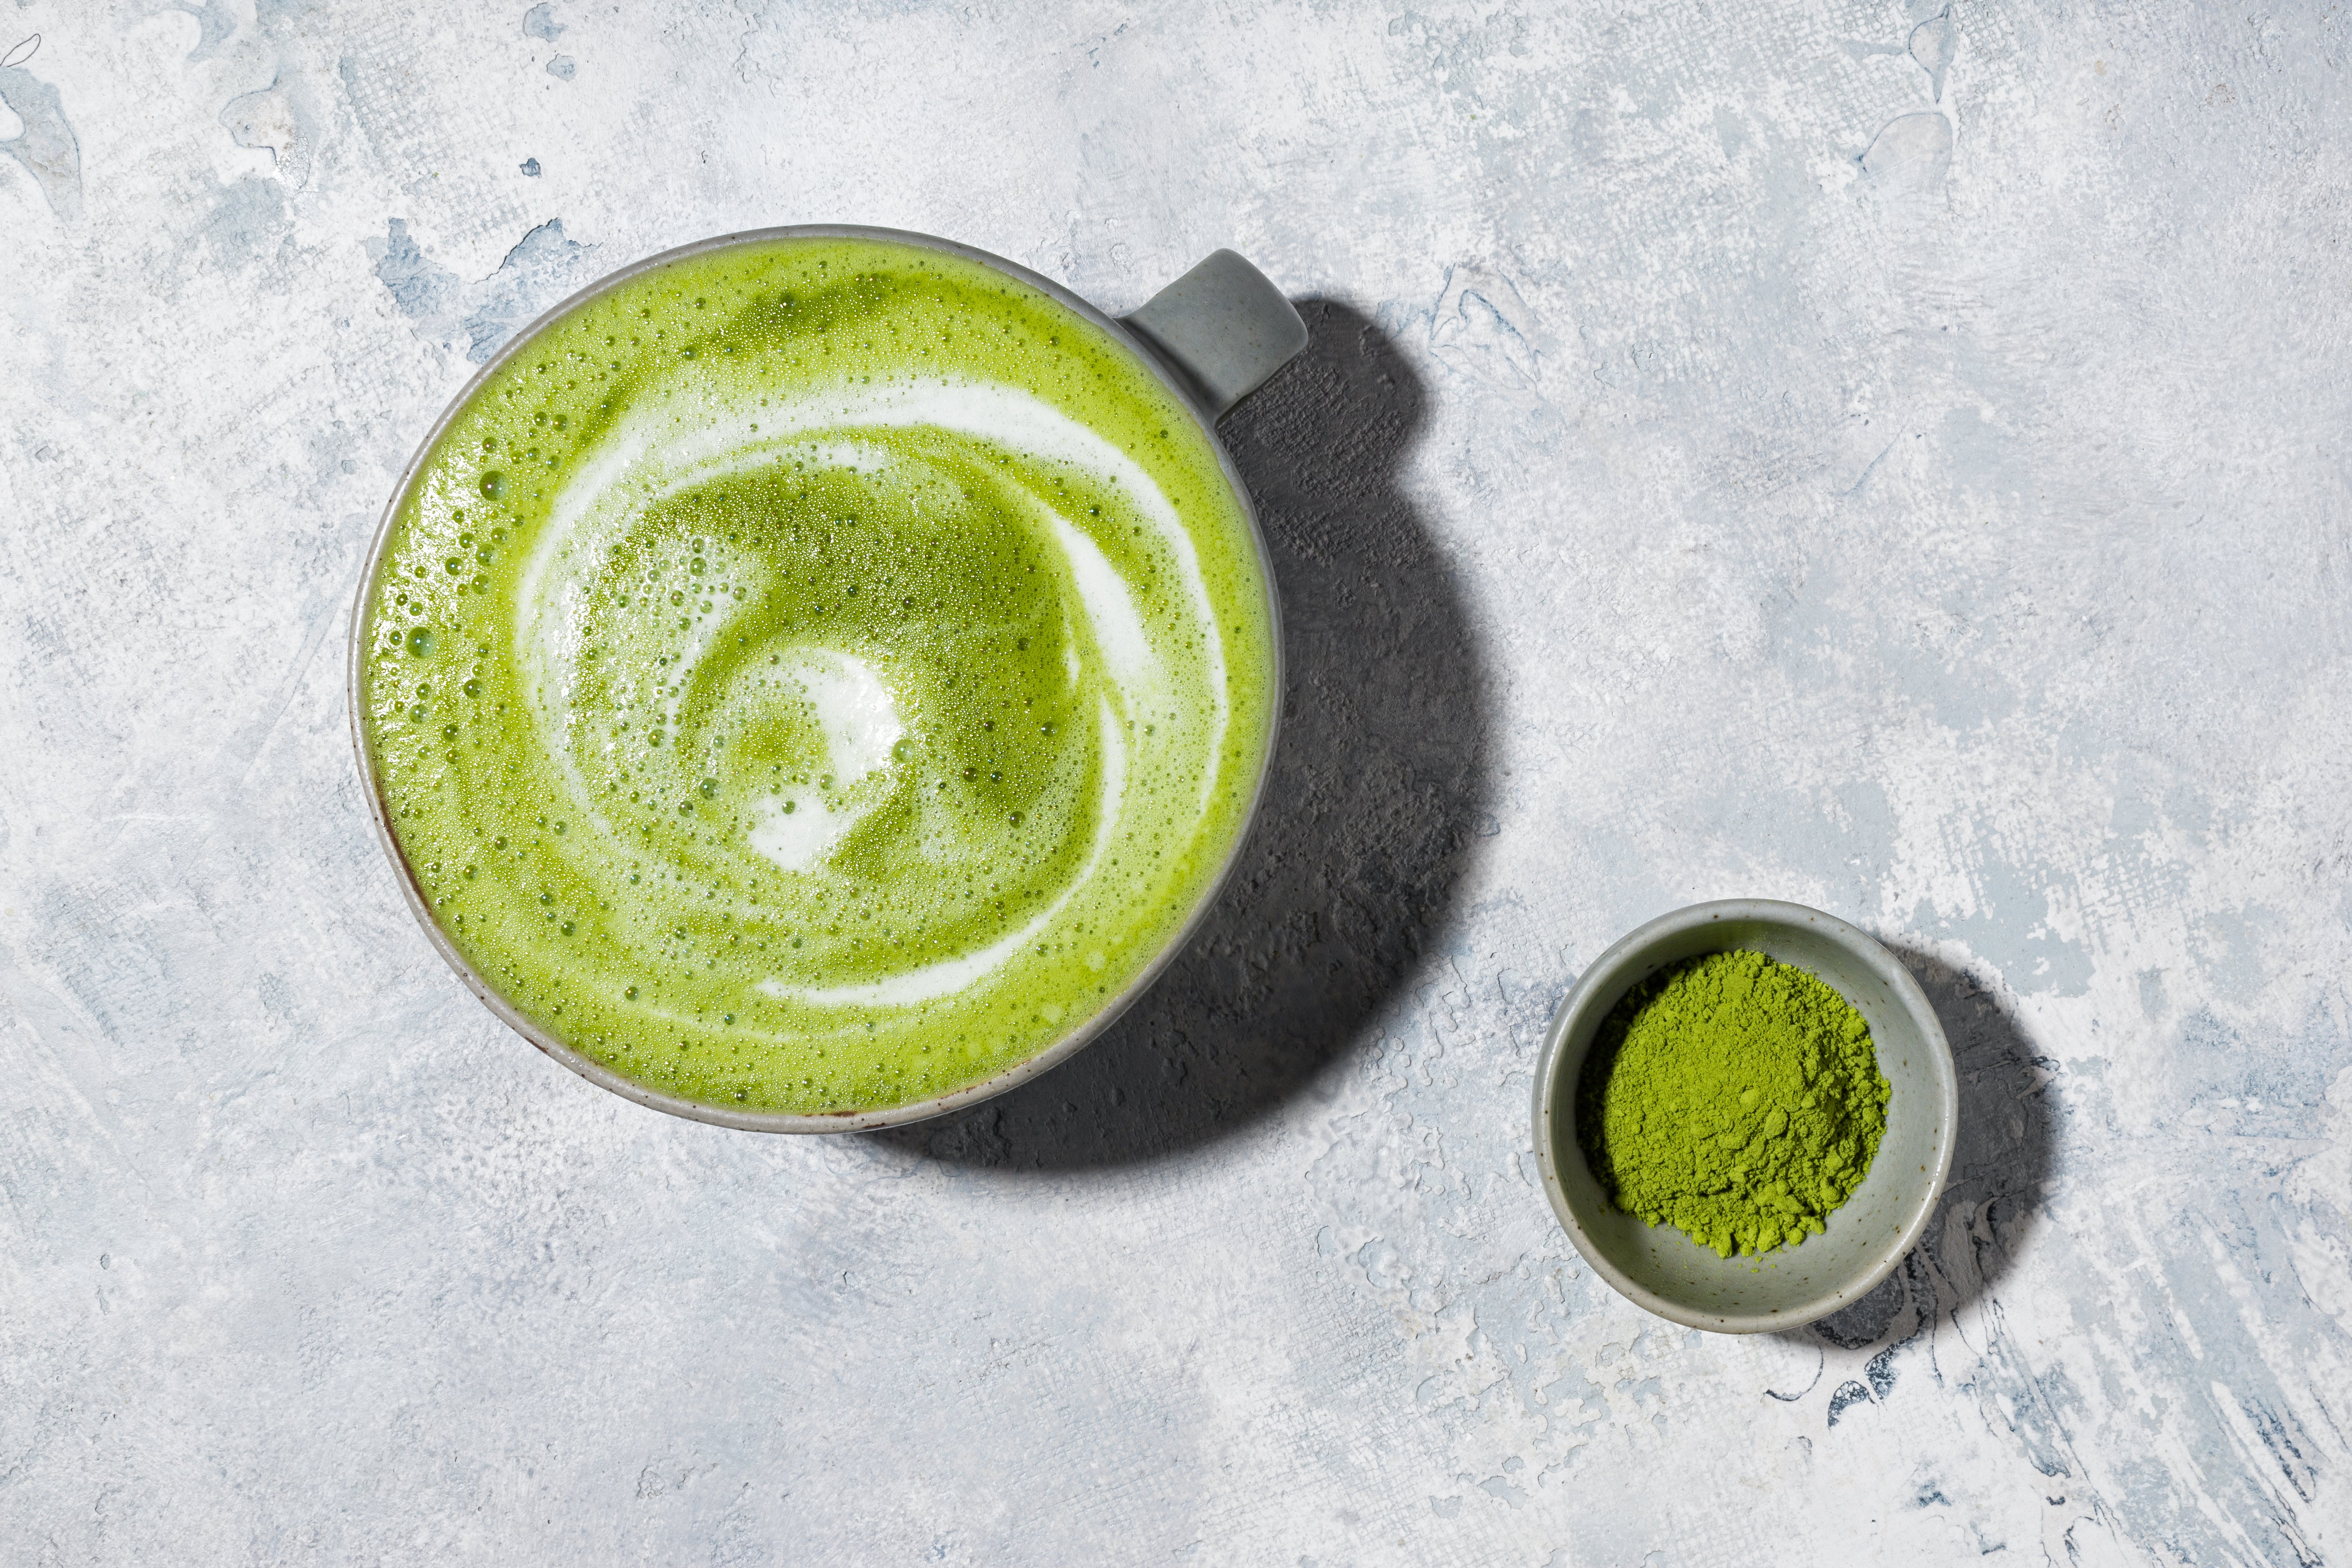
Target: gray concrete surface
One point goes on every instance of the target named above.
(1880, 456)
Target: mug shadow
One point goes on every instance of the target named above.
(1377, 785)
(2001, 1162)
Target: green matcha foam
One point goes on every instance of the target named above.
(817, 674)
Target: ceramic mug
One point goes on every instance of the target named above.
(1211, 337)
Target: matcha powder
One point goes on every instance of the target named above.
(1734, 1097)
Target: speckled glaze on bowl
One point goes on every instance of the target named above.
(1659, 1268)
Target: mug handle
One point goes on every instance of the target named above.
(1224, 328)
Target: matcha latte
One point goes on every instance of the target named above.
(816, 674)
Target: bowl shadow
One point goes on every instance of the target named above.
(2001, 1159)
(1377, 785)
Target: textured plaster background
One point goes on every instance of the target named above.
(1876, 454)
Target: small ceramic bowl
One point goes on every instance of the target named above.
(1659, 1268)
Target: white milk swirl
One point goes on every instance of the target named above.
(685, 437)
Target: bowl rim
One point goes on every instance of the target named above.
(1086, 1030)
(1601, 985)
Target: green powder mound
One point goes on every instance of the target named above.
(817, 674)
(1734, 1097)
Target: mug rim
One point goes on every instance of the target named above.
(1065, 1045)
